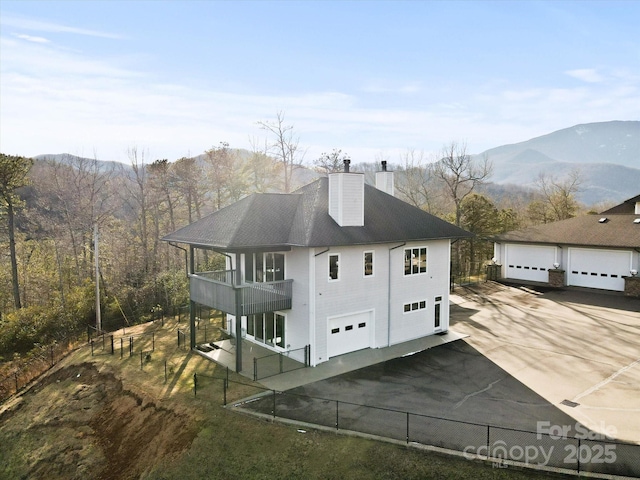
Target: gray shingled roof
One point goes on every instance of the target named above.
(628, 206)
(301, 218)
(618, 231)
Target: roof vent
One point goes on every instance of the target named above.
(603, 220)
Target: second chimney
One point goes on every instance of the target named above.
(384, 180)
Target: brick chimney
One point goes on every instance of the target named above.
(384, 180)
(346, 197)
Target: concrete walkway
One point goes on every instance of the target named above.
(356, 360)
(574, 345)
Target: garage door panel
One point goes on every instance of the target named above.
(529, 262)
(595, 268)
(349, 333)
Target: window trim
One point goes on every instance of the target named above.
(330, 256)
(264, 341)
(420, 305)
(426, 259)
(364, 263)
(437, 314)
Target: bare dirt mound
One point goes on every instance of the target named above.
(80, 423)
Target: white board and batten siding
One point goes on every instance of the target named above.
(529, 262)
(597, 268)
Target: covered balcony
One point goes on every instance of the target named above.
(218, 290)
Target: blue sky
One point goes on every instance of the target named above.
(375, 79)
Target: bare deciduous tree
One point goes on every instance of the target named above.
(285, 146)
(559, 195)
(331, 162)
(416, 183)
(460, 173)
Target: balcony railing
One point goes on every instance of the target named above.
(216, 290)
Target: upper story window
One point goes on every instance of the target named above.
(334, 266)
(368, 264)
(415, 261)
(264, 267)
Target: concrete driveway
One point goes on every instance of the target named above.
(573, 345)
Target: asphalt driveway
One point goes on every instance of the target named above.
(564, 358)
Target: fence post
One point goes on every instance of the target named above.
(255, 369)
(227, 379)
(153, 341)
(165, 371)
(195, 384)
(178, 337)
(92, 348)
(337, 417)
(407, 428)
(224, 389)
(121, 348)
(488, 447)
(578, 457)
(112, 349)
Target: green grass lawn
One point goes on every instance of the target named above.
(227, 444)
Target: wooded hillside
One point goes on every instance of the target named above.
(51, 205)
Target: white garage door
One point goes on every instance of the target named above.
(529, 262)
(594, 268)
(349, 333)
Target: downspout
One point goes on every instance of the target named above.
(312, 305)
(389, 295)
(238, 292)
(186, 256)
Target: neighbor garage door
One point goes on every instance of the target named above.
(529, 262)
(349, 333)
(595, 268)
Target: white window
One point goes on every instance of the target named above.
(334, 266)
(267, 328)
(415, 261)
(368, 264)
(263, 267)
(413, 306)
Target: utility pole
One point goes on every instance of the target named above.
(97, 260)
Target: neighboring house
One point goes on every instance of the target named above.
(595, 251)
(337, 266)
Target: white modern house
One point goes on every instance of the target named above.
(594, 251)
(336, 266)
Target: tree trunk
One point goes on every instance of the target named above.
(14, 259)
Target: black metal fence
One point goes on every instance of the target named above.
(34, 364)
(281, 362)
(575, 451)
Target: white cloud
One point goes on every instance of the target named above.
(589, 75)
(30, 38)
(45, 26)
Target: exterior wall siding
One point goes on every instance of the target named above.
(353, 292)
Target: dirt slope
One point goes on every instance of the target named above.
(81, 423)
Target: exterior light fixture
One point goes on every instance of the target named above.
(556, 265)
(633, 272)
